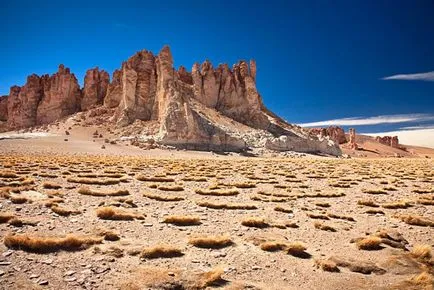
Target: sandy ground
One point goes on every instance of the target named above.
(313, 191)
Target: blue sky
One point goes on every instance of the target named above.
(317, 60)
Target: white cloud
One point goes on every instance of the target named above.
(360, 121)
(428, 76)
(421, 137)
(417, 127)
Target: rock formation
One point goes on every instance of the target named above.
(95, 88)
(3, 108)
(61, 96)
(352, 142)
(391, 141)
(43, 100)
(337, 134)
(206, 109)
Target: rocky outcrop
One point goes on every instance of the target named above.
(61, 96)
(391, 141)
(23, 103)
(352, 142)
(114, 91)
(207, 109)
(299, 144)
(3, 108)
(337, 134)
(95, 88)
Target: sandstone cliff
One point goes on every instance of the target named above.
(206, 109)
(95, 88)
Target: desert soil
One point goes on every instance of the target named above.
(315, 209)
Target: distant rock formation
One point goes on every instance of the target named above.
(206, 109)
(337, 134)
(352, 142)
(391, 141)
(95, 88)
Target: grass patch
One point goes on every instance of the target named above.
(417, 220)
(38, 244)
(154, 178)
(161, 197)
(255, 222)
(95, 181)
(324, 227)
(6, 217)
(51, 185)
(110, 213)
(369, 243)
(171, 188)
(92, 192)
(182, 220)
(215, 205)
(229, 192)
(161, 251)
(63, 211)
(327, 265)
(369, 203)
(211, 242)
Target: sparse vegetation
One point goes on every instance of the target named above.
(212, 242)
(110, 213)
(182, 220)
(161, 251)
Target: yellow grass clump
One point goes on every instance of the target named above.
(369, 243)
(155, 178)
(110, 213)
(92, 192)
(327, 265)
(161, 251)
(64, 211)
(86, 180)
(211, 242)
(422, 252)
(182, 220)
(51, 185)
(228, 192)
(417, 220)
(255, 222)
(215, 205)
(324, 227)
(6, 217)
(32, 243)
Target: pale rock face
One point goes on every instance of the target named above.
(292, 143)
(391, 141)
(337, 134)
(61, 97)
(95, 88)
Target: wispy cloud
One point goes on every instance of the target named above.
(421, 137)
(420, 127)
(428, 76)
(360, 121)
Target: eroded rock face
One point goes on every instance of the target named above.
(391, 141)
(114, 91)
(61, 96)
(23, 103)
(337, 134)
(352, 142)
(95, 88)
(298, 144)
(3, 108)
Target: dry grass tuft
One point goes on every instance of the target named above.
(51, 185)
(161, 197)
(161, 251)
(374, 211)
(396, 204)
(283, 209)
(211, 242)
(92, 192)
(49, 244)
(18, 199)
(171, 188)
(324, 227)
(63, 211)
(327, 265)
(375, 191)
(422, 252)
(417, 220)
(297, 249)
(215, 205)
(317, 216)
(6, 217)
(96, 181)
(244, 185)
(182, 220)
(255, 222)
(273, 246)
(370, 203)
(155, 179)
(209, 278)
(369, 243)
(110, 213)
(341, 217)
(229, 192)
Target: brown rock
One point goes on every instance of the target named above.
(95, 88)
(391, 141)
(3, 108)
(337, 134)
(23, 103)
(352, 141)
(114, 91)
(61, 96)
